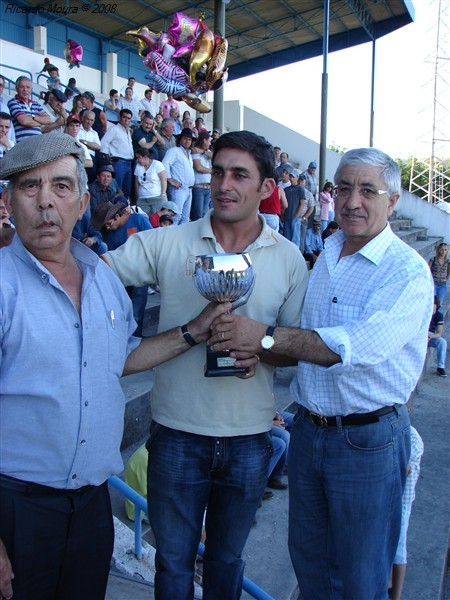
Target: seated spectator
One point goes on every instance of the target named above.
(326, 203)
(148, 104)
(105, 187)
(130, 104)
(100, 123)
(279, 433)
(121, 223)
(130, 84)
(85, 233)
(150, 181)
(166, 221)
(72, 129)
(175, 115)
(5, 125)
(168, 209)
(201, 192)
(111, 107)
(199, 126)
(158, 120)
(332, 227)
(435, 339)
(272, 207)
(188, 123)
(90, 139)
(54, 107)
(27, 115)
(136, 478)
(146, 136)
(77, 106)
(313, 243)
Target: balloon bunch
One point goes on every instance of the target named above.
(73, 53)
(185, 62)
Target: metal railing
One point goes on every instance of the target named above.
(141, 504)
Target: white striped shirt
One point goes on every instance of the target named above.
(372, 308)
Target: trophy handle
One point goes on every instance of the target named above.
(243, 299)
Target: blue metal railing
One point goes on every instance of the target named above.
(141, 504)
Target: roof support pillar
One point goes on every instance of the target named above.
(219, 28)
(324, 101)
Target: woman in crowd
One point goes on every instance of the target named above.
(151, 181)
(326, 205)
(111, 107)
(77, 106)
(440, 269)
(201, 192)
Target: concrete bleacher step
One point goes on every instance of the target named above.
(426, 248)
(412, 234)
(400, 223)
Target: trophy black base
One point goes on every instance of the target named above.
(221, 364)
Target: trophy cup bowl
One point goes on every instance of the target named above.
(223, 278)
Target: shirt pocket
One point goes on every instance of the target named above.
(117, 345)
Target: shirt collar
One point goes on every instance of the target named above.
(23, 99)
(266, 237)
(373, 250)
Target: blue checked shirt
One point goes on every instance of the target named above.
(372, 308)
(409, 493)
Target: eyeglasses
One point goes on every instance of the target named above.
(345, 191)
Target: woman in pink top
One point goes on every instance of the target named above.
(326, 204)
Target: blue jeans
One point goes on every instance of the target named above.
(201, 198)
(441, 350)
(440, 290)
(186, 474)
(292, 230)
(303, 230)
(345, 505)
(182, 197)
(278, 458)
(122, 169)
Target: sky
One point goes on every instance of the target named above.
(404, 90)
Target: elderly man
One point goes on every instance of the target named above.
(28, 115)
(5, 141)
(104, 188)
(117, 144)
(56, 111)
(60, 398)
(167, 138)
(101, 123)
(218, 444)
(180, 174)
(361, 348)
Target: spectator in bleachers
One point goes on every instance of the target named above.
(54, 107)
(201, 192)
(53, 80)
(100, 124)
(440, 270)
(4, 108)
(435, 339)
(120, 223)
(146, 136)
(72, 128)
(313, 243)
(180, 174)
(175, 115)
(150, 181)
(276, 154)
(117, 144)
(158, 120)
(86, 234)
(167, 138)
(332, 227)
(199, 126)
(284, 164)
(5, 125)
(295, 195)
(130, 84)
(90, 139)
(105, 187)
(77, 106)
(273, 206)
(148, 104)
(308, 216)
(136, 478)
(27, 114)
(130, 103)
(168, 209)
(166, 105)
(312, 184)
(215, 135)
(326, 204)
(111, 108)
(6, 227)
(284, 179)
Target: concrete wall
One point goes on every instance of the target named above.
(424, 214)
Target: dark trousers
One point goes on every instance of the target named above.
(59, 542)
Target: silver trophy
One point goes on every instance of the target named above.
(223, 278)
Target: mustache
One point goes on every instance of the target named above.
(353, 213)
(46, 217)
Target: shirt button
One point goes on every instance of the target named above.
(83, 442)
(44, 277)
(85, 364)
(77, 325)
(74, 476)
(86, 403)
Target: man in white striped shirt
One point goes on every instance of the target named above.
(361, 349)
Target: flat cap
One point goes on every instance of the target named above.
(39, 150)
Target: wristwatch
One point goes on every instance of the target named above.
(267, 342)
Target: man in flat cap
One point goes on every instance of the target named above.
(61, 403)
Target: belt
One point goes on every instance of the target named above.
(202, 185)
(354, 419)
(28, 487)
(114, 158)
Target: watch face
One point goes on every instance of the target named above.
(267, 342)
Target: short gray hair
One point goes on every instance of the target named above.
(373, 157)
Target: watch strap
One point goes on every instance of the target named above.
(270, 330)
(187, 336)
